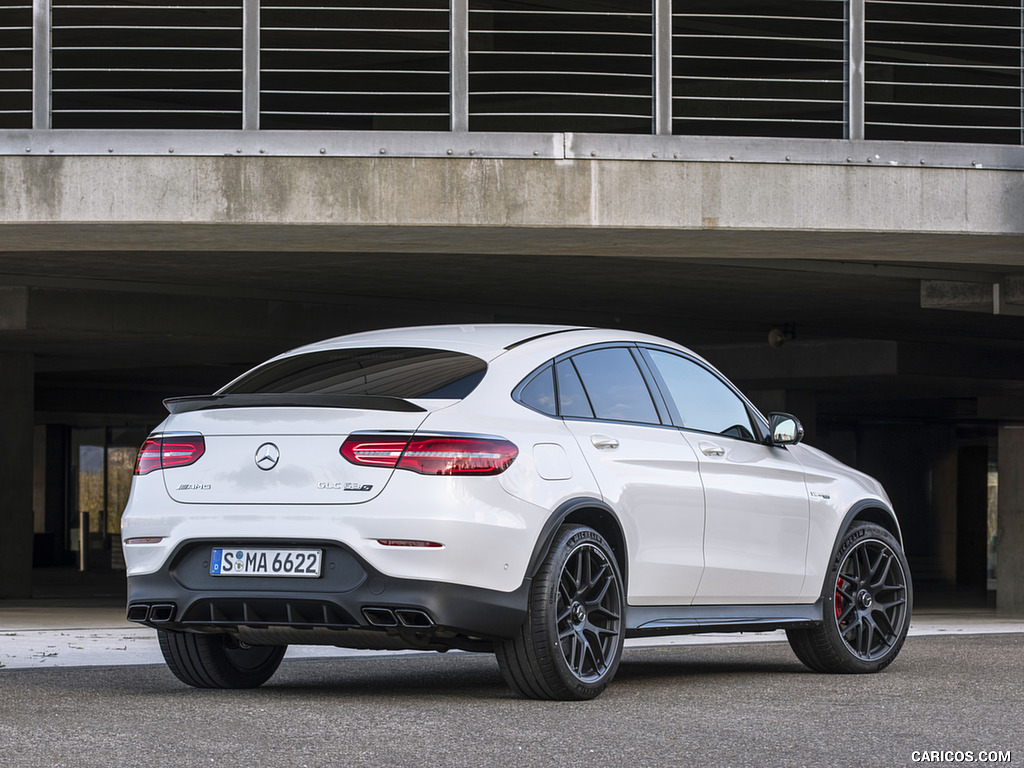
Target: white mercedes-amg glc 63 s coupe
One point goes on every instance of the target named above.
(538, 492)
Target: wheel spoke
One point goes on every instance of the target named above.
(566, 591)
(869, 636)
(583, 572)
(599, 579)
(886, 607)
(870, 576)
(596, 649)
(605, 611)
(863, 566)
(877, 583)
(884, 626)
(845, 590)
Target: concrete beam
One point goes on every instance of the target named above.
(500, 205)
(958, 295)
(1005, 297)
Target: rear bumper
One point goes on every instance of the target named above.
(350, 604)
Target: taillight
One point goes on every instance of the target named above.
(432, 454)
(170, 451)
(374, 450)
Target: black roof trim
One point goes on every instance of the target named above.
(290, 400)
(515, 344)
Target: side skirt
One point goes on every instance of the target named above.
(658, 620)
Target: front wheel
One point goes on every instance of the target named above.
(866, 606)
(570, 644)
(218, 661)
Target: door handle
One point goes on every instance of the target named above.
(710, 449)
(604, 442)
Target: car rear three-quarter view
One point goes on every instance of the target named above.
(537, 492)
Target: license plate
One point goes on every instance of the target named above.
(240, 561)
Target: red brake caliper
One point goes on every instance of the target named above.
(839, 607)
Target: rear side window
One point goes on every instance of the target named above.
(539, 393)
(572, 400)
(615, 387)
(387, 372)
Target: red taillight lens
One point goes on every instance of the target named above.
(148, 458)
(166, 452)
(458, 456)
(432, 454)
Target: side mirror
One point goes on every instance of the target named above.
(786, 429)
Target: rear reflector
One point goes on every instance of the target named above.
(409, 543)
(431, 454)
(171, 451)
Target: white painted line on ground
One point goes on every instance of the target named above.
(114, 646)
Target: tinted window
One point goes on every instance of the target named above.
(572, 400)
(702, 401)
(615, 386)
(390, 372)
(539, 393)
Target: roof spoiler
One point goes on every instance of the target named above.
(290, 400)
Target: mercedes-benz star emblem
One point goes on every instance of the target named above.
(267, 456)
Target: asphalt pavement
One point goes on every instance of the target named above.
(82, 688)
(747, 704)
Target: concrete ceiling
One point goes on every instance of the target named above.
(119, 330)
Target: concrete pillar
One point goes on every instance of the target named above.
(16, 518)
(1010, 552)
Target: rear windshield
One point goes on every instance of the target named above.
(385, 371)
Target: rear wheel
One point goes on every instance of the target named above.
(866, 606)
(218, 661)
(570, 644)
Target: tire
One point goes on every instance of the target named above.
(569, 646)
(866, 606)
(217, 661)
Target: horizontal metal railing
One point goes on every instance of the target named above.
(544, 66)
(15, 63)
(947, 71)
(120, 64)
(372, 66)
(776, 72)
(879, 70)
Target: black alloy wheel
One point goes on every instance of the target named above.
(870, 600)
(571, 642)
(866, 606)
